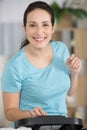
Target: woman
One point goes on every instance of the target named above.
(38, 78)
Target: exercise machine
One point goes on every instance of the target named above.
(66, 123)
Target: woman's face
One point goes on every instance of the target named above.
(39, 28)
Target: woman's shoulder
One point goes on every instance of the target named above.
(58, 45)
(16, 60)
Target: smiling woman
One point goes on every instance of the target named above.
(39, 29)
(42, 73)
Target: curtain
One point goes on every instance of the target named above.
(11, 36)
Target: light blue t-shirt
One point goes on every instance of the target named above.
(45, 87)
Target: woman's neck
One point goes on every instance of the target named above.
(38, 52)
(40, 58)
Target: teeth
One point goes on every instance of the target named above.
(39, 39)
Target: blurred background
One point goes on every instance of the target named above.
(73, 32)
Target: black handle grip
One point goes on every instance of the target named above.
(36, 122)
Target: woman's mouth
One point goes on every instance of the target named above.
(39, 39)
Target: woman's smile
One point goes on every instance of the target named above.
(39, 39)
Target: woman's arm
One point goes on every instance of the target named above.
(74, 65)
(11, 106)
(12, 111)
(74, 84)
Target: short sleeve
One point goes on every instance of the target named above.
(66, 56)
(10, 80)
(66, 53)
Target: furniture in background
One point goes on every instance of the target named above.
(76, 40)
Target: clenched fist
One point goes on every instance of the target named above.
(74, 64)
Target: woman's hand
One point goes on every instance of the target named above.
(74, 64)
(38, 111)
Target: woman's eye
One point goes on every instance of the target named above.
(45, 25)
(32, 25)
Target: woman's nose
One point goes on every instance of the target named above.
(39, 30)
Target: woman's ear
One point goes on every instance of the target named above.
(53, 29)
